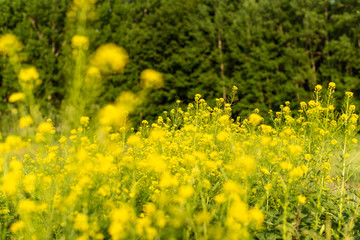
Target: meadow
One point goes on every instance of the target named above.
(198, 172)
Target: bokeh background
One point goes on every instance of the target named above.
(273, 50)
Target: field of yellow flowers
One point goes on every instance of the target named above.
(197, 173)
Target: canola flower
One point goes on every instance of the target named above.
(110, 59)
(18, 96)
(151, 79)
(25, 121)
(79, 41)
(209, 175)
(82, 7)
(9, 44)
(29, 78)
(45, 127)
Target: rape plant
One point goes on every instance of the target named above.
(197, 173)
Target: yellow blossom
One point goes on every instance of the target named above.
(202, 217)
(81, 222)
(151, 79)
(84, 120)
(286, 165)
(26, 206)
(29, 183)
(257, 216)
(222, 136)
(331, 86)
(318, 88)
(301, 199)
(168, 181)
(110, 58)
(45, 127)
(255, 119)
(298, 172)
(186, 191)
(134, 140)
(26, 121)
(9, 44)
(17, 226)
(92, 73)
(220, 198)
(79, 41)
(303, 104)
(239, 212)
(349, 94)
(29, 78)
(18, 96)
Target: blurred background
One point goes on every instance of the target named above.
(272, 50)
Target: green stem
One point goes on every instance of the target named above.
(318, 203)
(284, 235)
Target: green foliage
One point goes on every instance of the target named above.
(272, 50)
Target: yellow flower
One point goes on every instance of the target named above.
(10, 183)
(29, 78)
(286, 165)
(246, 163)
(169, 180)
(220, 198)
(9, 44)
(79, 41)
(62, 139)
(26, 121)
(303, 104)
(26, 206)
(318, 88)
(301, 199)
(18, 96)
(81, 222)
(255, 119)
(116, 114)
(268, 186)
(232, 187)
(29, 183)
(151, 79)
(92, 73)
(84, 120)
(110, 58)
(17, 226)
(222, 136)
(134, 140)
(298, 172)
(45, 127)
(295, 150)
(113, 115)
(349, 94)
(239, 211)
(186, 191)
(202, 217)
(331, 86)
(312, 103)
(257, 216)
(224, 119)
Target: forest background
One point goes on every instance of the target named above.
(272, 50)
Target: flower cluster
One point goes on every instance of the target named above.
(195, 172)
